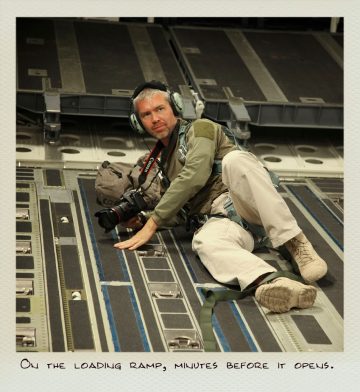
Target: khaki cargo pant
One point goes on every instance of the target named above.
(223, 246)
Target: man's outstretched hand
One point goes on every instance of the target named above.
(140, 238)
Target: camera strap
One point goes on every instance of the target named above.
(150, 162)
(153, 158)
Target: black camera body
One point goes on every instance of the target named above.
(131, 203)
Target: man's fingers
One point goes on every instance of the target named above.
(123, 244)
(130, 244)
(134, 246)
(140, 238)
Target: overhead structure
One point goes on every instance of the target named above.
(91, 67)
(281, 78)
(262, 78)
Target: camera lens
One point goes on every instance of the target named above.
(132, 203)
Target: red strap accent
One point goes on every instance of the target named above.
(149, 163)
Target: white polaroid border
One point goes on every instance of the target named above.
(333, 371)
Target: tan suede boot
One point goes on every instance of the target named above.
(311, 266)
(283, 294)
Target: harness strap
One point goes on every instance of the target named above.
(261, 238)
(217, 167)
(212, 296)
(183, 150)
(232, 214)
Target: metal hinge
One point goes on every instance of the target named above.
(184, 343)
(152, 250)
(23, 247)
(25, 337)
(22, 213)
(24, 287)
(165, 290)
(183, 340)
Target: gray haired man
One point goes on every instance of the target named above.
(224, 246)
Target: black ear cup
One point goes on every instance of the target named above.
(176, 103)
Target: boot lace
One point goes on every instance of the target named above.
(301, 251)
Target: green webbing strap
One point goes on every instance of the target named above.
(258, 230)
(182, 138)
(217, 167)
(212, 296)
(233, 215)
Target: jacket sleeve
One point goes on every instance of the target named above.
(192, 177)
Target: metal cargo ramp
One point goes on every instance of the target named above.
(76, 292)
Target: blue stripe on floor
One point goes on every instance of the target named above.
(243, 327)
(111, 319)
(139, 320)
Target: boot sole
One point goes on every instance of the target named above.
(280, 297)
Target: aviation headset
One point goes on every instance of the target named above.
(176, 103)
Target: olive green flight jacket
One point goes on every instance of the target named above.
(193, 183)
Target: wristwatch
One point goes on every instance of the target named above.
(142, 218)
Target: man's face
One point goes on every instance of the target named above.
(157, 117)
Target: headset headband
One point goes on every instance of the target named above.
(153, 84)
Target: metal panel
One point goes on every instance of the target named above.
(299, 64)
(53, 177)
(24, 262)
(36, 49)
(69, 60)
(102, 49)
(332, 47)
(71, 267)
(263, 78)
(216, 59)
(81, 326)
(311, 330)
(145, 51)
(54, 299)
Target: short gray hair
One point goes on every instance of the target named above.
(147, 94)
